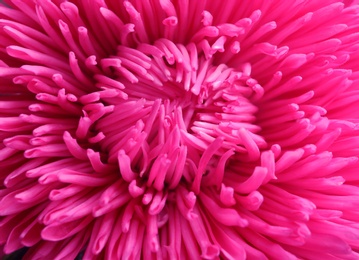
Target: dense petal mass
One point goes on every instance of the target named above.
(179, 129)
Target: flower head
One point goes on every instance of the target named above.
(179, 129)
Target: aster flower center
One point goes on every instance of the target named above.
(166, 105)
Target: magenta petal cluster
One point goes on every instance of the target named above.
(178, 129)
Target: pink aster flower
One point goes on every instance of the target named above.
(179, 129)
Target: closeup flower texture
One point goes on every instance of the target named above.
(178, 129)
